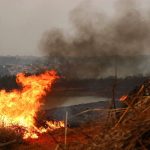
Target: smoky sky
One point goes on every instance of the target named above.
(98, 43)
(22, 22)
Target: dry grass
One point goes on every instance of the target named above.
(10, 137)
(131, 132)
(127, 130)
(124, 129)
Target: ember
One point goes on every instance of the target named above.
(19, 107)
(123, 98)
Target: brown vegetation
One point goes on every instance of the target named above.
(124, 129)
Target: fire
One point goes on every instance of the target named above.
(19, 107)
(55, 124)
(123, 98)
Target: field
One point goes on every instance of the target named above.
(91, 126)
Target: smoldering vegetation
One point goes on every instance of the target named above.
(97, 43)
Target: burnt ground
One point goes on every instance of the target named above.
(79, 88)
(79, 114)
(54, 140)
(81, 127)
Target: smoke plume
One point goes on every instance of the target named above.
(99, 43)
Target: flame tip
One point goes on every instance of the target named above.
(19, 107)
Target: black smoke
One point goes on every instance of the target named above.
(99, 43)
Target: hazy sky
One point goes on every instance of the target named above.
(22, 22)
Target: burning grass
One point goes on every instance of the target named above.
(122, 129)
(128, 129)
(19, 107)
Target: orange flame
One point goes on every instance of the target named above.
(19, 107)
(123, 98)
